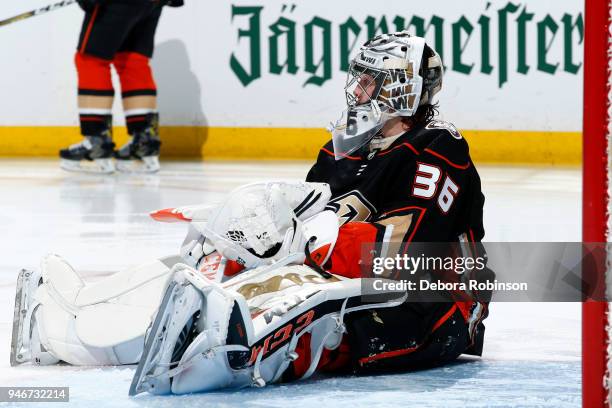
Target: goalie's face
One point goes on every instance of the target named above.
(364, 115)
(365, 89)
(363, 85)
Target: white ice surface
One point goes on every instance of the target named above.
(100, 224)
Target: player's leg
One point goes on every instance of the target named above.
(60, 317)
(95, 100)
(139, 94)
(410, 336)
(103, 31)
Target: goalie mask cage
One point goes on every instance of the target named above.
(596, 351)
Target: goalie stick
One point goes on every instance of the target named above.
(36, 12)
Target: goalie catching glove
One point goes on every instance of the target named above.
(259, 224)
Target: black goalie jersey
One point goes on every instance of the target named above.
(425, 186)
(425, 175)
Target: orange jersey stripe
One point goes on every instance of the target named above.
(89, 27)
(439, 156)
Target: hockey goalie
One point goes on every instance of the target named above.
(268, 284)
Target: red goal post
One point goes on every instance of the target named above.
(596, 167)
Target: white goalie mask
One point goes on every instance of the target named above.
(392, 76)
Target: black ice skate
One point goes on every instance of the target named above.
(140, 154)
(92, 155)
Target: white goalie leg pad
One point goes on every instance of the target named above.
(102, 323)
(176, 322)
(195, 306)
(248, 328)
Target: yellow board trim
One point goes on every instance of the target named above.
(486, 146)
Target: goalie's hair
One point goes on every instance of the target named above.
(423, 115)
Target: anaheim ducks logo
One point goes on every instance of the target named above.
(352, 206)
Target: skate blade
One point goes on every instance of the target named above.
(98, 166)
(149, 164)
(17, 354)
